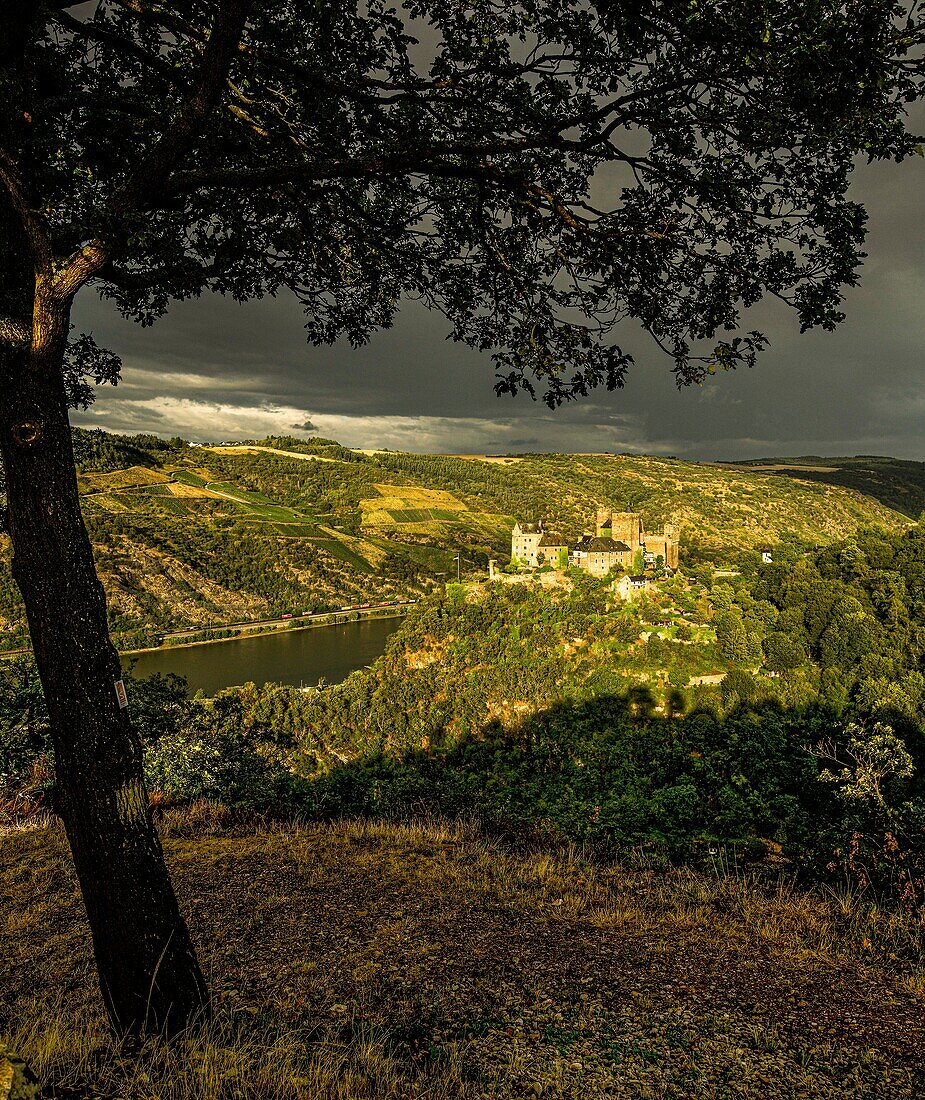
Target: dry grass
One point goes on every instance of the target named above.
(364, 960)
(232, 1057)
(129, 478)
(181, 489)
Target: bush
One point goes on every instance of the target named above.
(24, 732)
(219, 755)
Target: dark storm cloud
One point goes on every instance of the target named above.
(214, 368)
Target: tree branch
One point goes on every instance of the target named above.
(424, 161)
(276, 61)
(152, 174)
(105, 37)
(34, 230)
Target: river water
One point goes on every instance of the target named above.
(284, 657)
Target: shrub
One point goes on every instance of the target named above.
(219, 755)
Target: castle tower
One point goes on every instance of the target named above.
(525, 543)
(627, 527)
(672, 545)
(664, 546)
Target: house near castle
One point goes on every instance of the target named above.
(628, 587)
(613, 543)
(532, 545)
(598, 554)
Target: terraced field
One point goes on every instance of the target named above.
(430, 512)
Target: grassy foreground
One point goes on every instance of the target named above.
(361, 960)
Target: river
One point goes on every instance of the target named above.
(284, 657)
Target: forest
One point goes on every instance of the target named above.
(563, 713)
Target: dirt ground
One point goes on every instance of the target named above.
(484, 973)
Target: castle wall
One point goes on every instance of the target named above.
(665, 548)
(664, 545)
(602, 524)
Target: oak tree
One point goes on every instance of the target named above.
(539, 172)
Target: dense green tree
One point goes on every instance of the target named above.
(740, 685)
(895, 700)
(495, 171)
(731, 637)
(808, 592)
(890, 598)
(791, 621)
(722, 596)
(782, 652)
(846, 636)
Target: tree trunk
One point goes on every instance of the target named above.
(150, 978)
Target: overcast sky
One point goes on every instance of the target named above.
(213, 369)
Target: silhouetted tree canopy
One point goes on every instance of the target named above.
(538, 172)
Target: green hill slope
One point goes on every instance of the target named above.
(898, 483)
(192, 536)
(722, 511)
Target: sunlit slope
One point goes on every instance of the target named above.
(896, 482)
(197, 539)
(190, 536)
(722, 510)
(432, 513)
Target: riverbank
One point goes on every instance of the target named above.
(256, 630)
(284, 626)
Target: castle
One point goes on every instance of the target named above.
(615, 542)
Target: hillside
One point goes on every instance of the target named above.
(722, 511)
(897, 483)
(191, 536)
(681, 719)
(367, 962)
